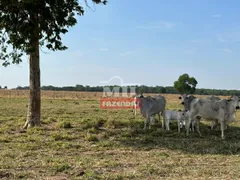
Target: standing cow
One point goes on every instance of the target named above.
(222, 111)
(188, 99)
(150, 106)
(170, 115)
(186, 117)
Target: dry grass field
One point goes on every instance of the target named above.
(78, 140)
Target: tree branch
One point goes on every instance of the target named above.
(86, 2)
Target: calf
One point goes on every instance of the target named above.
(169, 115)
(186, 117)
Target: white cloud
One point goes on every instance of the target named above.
(229, 37)
(158, 25)
(166, 24)
(228, 50)
(126, 53)
(216, 15)
(221, 38)
(103, 49)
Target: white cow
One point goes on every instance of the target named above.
(186, 117)
(171, 115)
(222, 111)
(191, 98)
(150, 106)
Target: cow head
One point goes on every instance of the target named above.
(182, 112)
(183, 97)
(139, 95)
(235, 100)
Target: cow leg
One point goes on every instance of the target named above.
(222, 129)
(163, 121)
(192, 125)
(184, 122)
(197, 128)
(188, 122)
(152, 121)
(145, 123)
(179, 125)
(159, 119)
(167, 124)
(149, 122)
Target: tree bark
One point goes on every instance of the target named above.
(34, 106)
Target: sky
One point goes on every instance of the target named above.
(148, 43)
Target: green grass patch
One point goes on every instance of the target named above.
(78, 140)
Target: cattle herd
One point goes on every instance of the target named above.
(214, 109)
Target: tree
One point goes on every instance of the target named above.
(185, 84)
(27, 25)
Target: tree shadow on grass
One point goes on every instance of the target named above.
(210, 143)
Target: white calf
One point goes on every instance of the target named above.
(186, 117)
(170, 115)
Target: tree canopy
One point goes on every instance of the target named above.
(24, 21)
(185, 84)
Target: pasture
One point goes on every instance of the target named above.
(78, 140)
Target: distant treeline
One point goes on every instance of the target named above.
(139, 89)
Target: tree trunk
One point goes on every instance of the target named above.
(34, 106)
